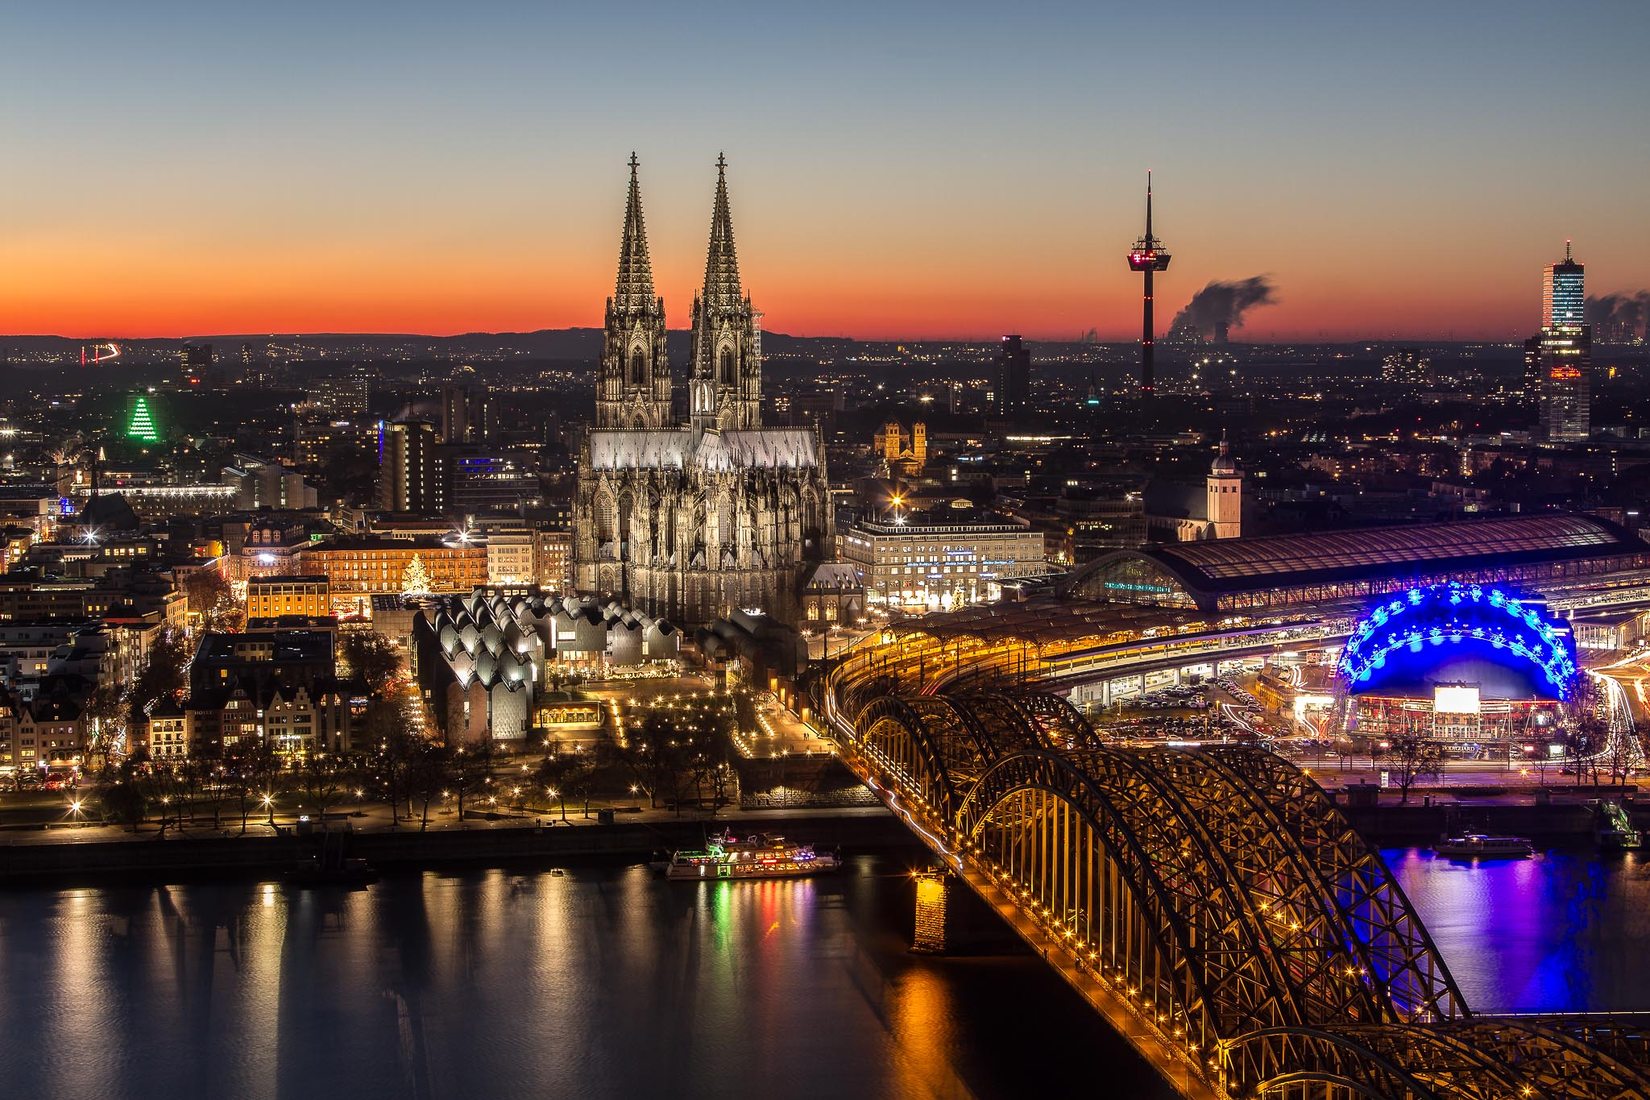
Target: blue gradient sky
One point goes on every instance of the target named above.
(896, 169)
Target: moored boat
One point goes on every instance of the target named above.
(759, 855)
(1480, 846)
(342, 872)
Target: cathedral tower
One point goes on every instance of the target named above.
(727, 343)
(633, 382)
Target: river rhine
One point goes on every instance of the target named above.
(609, 982)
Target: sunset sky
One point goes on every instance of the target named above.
(896, 169)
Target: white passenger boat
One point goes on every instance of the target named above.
(1479, 846)
(759, 855)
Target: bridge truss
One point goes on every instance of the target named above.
(1214, 904)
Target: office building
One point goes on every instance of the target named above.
(940, 560)
(194, 363)
(269, 486)
(553, 559)
(366, 566)
(345, 396)
(463, 415)
(410, 478)
(1565, 373)
(1558, 366)
(510, 556)
(1406, 367)
(1013, 392)
(274, 597)
(1564, 293)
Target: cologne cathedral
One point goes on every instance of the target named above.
(691, 521)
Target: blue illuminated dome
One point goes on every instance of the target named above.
(1408, 637)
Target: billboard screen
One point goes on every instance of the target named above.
(1455, 699)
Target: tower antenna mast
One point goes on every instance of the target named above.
(1147, 257)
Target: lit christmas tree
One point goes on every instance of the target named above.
(142, 425)
(416, 580)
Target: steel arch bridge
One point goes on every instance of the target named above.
(1215, 906)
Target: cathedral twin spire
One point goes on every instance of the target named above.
(633, 387)
(635, 286)
(633, 381)
(721, 262)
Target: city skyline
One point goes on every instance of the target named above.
(472, 474)
(353, 173)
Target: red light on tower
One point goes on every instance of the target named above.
(1147, 257)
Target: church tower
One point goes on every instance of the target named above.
(1225, 495)
(727, 343)
(633, 381)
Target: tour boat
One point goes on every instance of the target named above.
(1479, 846)
(756, 856)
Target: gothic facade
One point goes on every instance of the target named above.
(688, 521)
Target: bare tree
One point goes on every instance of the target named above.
(210, 597)
(160, 676)
(471, 765)
(392, 731)
(1584, 743)
(371, 656)
(563, 774)
(319, 778)
(250, 770)
(105, 714)
(1409, 757)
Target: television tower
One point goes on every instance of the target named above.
(1147, 256)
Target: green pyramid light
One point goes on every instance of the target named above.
(142, 426)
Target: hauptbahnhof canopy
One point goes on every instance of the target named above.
(1545, 553)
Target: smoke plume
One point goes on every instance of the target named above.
(1619, 318)
(1221, 306)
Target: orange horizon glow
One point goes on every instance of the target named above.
(955, 270)
(91, 297)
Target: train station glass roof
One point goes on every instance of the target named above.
(1202, 573)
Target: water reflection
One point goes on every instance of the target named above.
(602, 982)
(1558, 933)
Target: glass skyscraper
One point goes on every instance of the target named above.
(1564, 294)
(1558, 360)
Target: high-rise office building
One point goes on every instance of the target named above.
(1013, 392)
(1558, 365)
(410, 468)
(463, 415)
(343, 395)
(1564, 293)
(1406, 367)
(1564, 379)
(195, 360)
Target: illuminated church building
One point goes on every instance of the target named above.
(691, 521)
